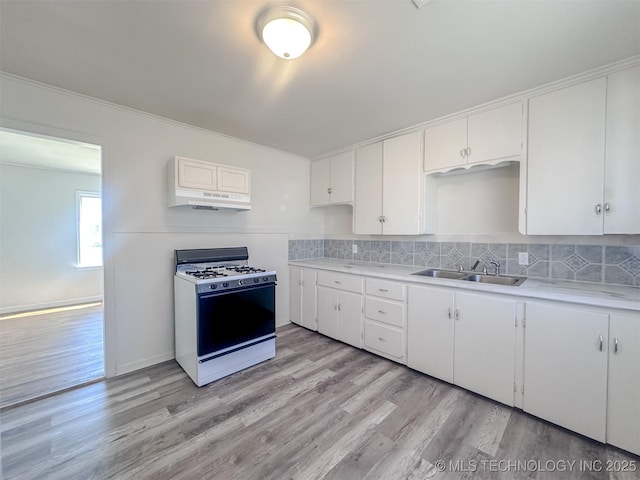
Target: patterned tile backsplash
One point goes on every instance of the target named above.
(585, 263)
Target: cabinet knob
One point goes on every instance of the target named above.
(382, 312)
(615, 345)
(462, 153)
(449, 313)
(598, 209)
(607, 207)
(600, 342)
(468, 152)
(457, 314)
(329, 190)
(381, 339)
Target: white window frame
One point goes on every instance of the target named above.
(79, 195)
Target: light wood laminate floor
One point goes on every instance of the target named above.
(49, 352)
(319, 410)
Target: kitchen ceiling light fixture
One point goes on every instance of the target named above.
(287, 31)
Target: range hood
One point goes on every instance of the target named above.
(208, 186)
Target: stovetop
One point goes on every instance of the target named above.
(220, 269)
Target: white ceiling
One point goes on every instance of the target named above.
(376, 67)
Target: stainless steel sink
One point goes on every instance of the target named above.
(437, 273)
(495, 280)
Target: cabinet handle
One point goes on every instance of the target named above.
(329, 190)
(381, 339)
(457, 314)
(338, 307)
(615, 345)
(468, 152)
(336, 281)
(449, 313)
(600, 340)
(384, 219)
(598, 209)
(607, 207)
(383, 289)
(382, 312)
(462, 153)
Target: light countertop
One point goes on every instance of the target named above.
(594, 294)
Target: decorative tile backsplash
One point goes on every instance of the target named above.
(585, 263)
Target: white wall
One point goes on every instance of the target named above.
(38, 235)
(139, 229)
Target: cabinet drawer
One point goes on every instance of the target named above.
(340, 280)
(382, 288)
(384, 339)
(385, 311)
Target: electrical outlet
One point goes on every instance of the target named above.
(354, 248)
(523, 258)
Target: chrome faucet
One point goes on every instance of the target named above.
(497, 265)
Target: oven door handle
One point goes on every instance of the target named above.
(243, 288)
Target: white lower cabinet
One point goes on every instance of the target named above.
(340, 307)
(623, 400)
(302, 298)
(565, 367)
(430, 331)
(384, 325)
(464, 338)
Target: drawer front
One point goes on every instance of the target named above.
(384, 339)
(341, 281)
(384, 311)
(385, 289)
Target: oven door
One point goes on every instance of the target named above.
(233, 317)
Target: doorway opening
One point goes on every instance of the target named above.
(51, 275)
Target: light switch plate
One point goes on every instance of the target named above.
(354, 248)
(523, 258)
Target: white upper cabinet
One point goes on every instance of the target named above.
(389, 187)
(367, 209)
(488, 137)
(584, 158)
(566, 160)
(197, 174)
(332, 180)
(233, 180)
(622, 158)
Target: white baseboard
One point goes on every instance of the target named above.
(56, 303)
(145, 362)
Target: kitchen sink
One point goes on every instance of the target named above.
(472, 277)
(437, 273)
(495, 280)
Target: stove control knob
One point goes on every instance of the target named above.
(256, 280)
(240, 282)
(265, 279)
(225, 284)
(213, 286)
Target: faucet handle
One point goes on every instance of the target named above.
(460, 268)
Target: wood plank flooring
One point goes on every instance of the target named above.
(49, 352)
(319, 410)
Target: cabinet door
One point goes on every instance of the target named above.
(350, 318)
(622, 161)
(320, 182)
(342, 166)
(444, 145)
(623, 408)
(566, 160)
(196, 174)
(295, 295)
(401, 181)
(233, 180)
(308, 312)
(367, 208)
(565, 367)
(495, 134)
(327, 312)
(485, 342)
(430, 331)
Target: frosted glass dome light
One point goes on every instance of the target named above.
(287, 31)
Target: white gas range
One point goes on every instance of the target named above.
(224, 312)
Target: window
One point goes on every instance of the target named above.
(89, 229)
